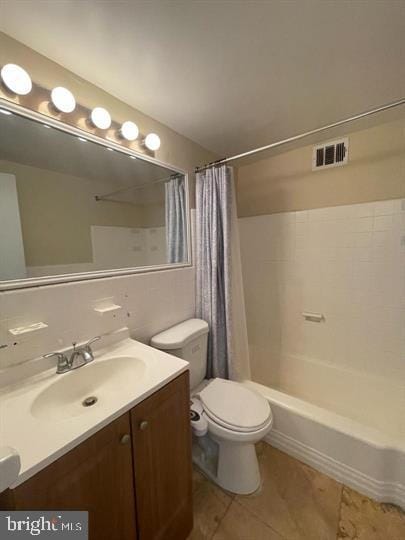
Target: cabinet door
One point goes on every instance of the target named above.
(162, 460)
(96, 476)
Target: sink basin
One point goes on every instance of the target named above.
(103, 380)
(42, 414)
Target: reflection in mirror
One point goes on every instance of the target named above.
(68, 205)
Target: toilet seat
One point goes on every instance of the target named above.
(234, 406)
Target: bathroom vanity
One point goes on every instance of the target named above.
(134, 474)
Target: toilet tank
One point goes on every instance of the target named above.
(187, 340)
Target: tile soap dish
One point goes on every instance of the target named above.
(111, 308)
(28, 329)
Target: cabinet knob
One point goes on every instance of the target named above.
(143, 425)
(125, 439)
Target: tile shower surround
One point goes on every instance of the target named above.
(346, 262)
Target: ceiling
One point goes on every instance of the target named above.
(231, 75)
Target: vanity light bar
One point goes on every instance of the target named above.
(18, 81)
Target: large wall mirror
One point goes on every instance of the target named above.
(71, 205)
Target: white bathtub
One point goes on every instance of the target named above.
(364, 458)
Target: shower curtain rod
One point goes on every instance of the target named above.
(107, 196)
(303, 135)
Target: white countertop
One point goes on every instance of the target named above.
(40, 439)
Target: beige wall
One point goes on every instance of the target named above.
(57, 211)
(376, 171)
(175, 149)
(154, 215)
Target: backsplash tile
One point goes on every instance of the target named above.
(151, 302)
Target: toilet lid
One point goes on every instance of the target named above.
(235, 406)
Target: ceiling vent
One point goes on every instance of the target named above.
(330, 154)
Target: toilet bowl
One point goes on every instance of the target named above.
(237, 418)
(227, 418)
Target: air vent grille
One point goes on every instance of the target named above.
(331, 154)
(319, 157)
(340, 152)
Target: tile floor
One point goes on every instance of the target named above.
(295, 503)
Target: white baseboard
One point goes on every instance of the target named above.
(380, 491)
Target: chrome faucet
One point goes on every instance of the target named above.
(66, 364)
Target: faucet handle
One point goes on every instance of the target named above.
(91, 341)
(59, 355)
(63, 362)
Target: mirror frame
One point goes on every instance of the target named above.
(98, 274)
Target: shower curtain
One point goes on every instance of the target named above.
(219, 295)
(176, 233)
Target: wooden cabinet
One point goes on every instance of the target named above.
(133, 476)
(95, 476)
(162, 460)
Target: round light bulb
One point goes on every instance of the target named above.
(16, 79)
(63, 99)
(129, 131)
(152, 141)
(101, 118)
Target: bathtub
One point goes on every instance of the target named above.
(361, 457)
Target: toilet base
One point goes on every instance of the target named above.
(232, 466)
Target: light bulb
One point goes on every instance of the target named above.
(16, 79)
(152, 141)
(63, 99)
(101, 118)
(129, 131)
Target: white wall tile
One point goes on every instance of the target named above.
(383, 223)
(383, 208)
(151, 302)
(347, 262)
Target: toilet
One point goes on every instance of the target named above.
(227, 417)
